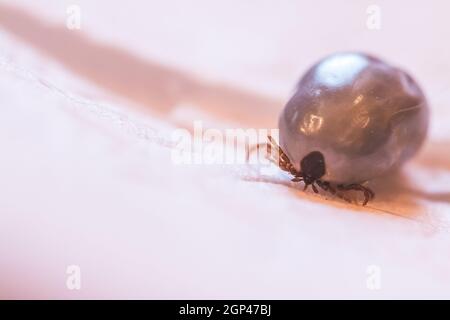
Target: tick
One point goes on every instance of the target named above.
(352, 118)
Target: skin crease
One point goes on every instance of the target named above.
(365, 116)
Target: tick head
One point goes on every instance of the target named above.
(313, 167)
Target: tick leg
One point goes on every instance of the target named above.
(326, 186)
(368, 194)
(280, 159)
(274, 144)
(314, 188)
(278, 162)
(255, 148)
(283, 160)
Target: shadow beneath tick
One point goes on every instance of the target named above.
(399, 192)
(156, 88)
(390, 186)
(396, 193)
(435, 155)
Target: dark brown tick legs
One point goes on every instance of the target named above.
(325, 185)
(283, 162)
(368, 194)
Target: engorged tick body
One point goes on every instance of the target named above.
(352, 118)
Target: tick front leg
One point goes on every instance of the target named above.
(279, 158)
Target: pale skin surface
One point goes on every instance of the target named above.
(81, 186)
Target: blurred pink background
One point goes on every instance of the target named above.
(80, 185)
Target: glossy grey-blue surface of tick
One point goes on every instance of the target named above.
(363, 115)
